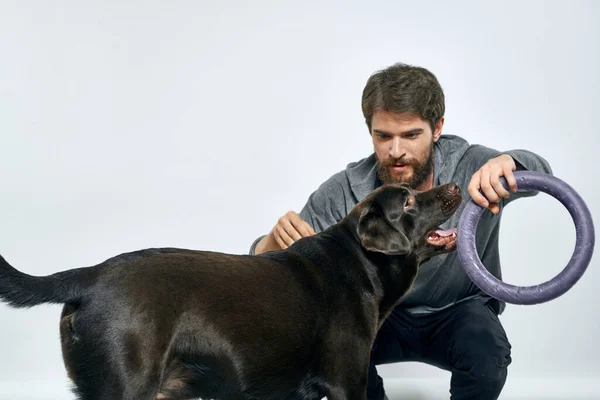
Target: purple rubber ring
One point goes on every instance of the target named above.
(561, 283)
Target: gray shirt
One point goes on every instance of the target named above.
(441, 281)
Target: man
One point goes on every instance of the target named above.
(445, 320)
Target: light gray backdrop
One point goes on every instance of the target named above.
(132, 124)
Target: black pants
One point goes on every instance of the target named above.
(466, 339)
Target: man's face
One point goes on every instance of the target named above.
(404, 148)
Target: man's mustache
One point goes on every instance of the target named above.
(398, 161)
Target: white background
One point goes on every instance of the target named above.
(134, 124)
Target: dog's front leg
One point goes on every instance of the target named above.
(351, 383)
(345, 365)
(357, 392)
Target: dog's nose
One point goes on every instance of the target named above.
(453, 189)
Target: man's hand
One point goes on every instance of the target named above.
(288, 229)
(488, 179)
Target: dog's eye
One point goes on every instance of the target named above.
(408, 201)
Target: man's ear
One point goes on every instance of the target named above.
(376, 233)
(437, 132)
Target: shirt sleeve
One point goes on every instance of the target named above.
(527, 161)
(325, 206)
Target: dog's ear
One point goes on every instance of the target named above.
(376, 233)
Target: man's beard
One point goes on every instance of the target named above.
(421, 171)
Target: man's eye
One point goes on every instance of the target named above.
(408, 201)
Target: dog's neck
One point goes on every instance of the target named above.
(396, 275)
(390, 276)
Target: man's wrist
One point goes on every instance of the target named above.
(518, 165)
(264, 245)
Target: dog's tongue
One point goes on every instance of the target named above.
(445, 232)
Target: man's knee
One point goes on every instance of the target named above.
(485, 355)
(484, 367)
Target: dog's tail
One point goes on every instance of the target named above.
(21, 290)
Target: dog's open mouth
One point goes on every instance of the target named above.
(442, 239)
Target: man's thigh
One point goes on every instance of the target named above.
(468, 333)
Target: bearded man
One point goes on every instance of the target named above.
(444, 320)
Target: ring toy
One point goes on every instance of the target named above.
(549, 290)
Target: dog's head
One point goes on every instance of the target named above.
(396, 220)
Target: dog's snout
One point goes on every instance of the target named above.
(450, 197)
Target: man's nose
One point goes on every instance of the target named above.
(397, 149)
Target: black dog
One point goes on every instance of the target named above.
(295, 324)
